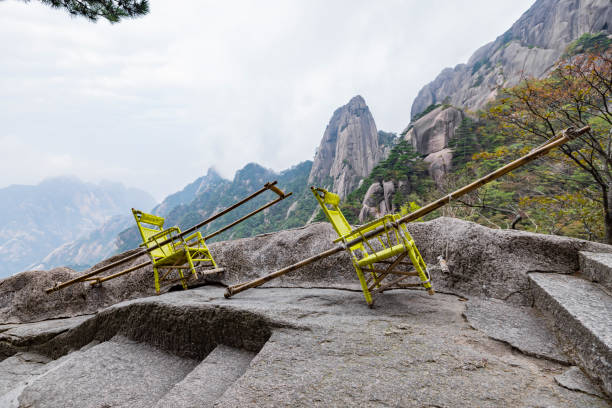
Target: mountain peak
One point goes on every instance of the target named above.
(212, 174)
(357, 101)
(254, 172)
(349, 149)
(529, 48)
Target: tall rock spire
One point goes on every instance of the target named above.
(349, 149)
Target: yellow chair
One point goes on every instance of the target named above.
(387, 249)
(177, 255)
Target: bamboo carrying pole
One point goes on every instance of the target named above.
(231, 290)
(268, 186)
(557, 140)
(263, 207)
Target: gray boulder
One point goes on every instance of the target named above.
(482, 262)
(378, 201)
(432, 132)
(23, 299)
(494, 263)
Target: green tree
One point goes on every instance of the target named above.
(578, 93)
(112, 10)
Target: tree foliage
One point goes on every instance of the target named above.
(403, 165)
(578, 93)
(112, 10)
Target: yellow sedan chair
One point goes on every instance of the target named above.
(378, 257)
(179, 254)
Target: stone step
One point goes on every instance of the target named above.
(581, 312)
(116, 373)
(209, 380)
(15, 373)
(597, 267)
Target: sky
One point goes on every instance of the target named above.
(154, 102)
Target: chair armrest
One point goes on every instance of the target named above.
(196, 234)
(366, 227)
(164, 232)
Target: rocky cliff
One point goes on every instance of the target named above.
(430, 136)
(529, 48)
(349, 149)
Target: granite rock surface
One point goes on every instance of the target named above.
(482, 262)
(311, 347)
(521, 327)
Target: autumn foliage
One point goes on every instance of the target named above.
(577, 93)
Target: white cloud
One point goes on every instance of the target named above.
(201, 83)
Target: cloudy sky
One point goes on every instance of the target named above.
(155, 102)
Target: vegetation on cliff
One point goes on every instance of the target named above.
(568, 192)
(578, 93)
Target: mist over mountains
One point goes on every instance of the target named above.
(35, 220)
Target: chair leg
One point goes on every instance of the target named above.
(417, 260)
(211, 259)
(364, 285)
(193, 271)
(183, 282)
(156, 274)
(419, 265)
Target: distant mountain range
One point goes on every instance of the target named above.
(211, 193)
(35, 220)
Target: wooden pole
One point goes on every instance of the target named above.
(232, 290)
(557, 140)
(97, 271)
(263, 207)
(268, 186)
(565, 137)
(105, 278)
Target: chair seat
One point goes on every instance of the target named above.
(382, 255)
(179, 257)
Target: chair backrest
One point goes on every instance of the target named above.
(329, 203)
(155, 225)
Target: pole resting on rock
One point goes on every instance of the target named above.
(355, 239)
(158, 244)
